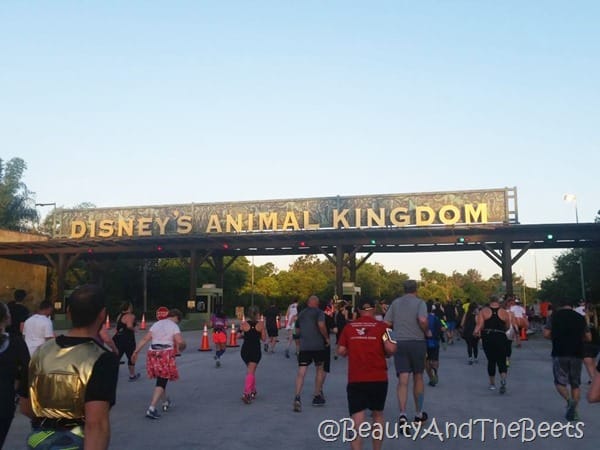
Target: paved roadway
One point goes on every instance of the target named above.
(208, 412)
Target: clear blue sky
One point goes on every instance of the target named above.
(146, 102)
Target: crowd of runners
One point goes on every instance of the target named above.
(409, 334)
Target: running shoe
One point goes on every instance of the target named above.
(422, 418)
(318, 400)
(297, 404)
(152, 413)
(167, 404)
(253, 395)
(470, 361)
(135, 377)
(492, 387)
(570, 415)
(247, 398)
(266, 347)
(503, 387)
(287, 353)
(218, 363)
(403, 425)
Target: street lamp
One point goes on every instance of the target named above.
(573, 198)
(53, 204)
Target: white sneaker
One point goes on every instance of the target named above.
(167, 405)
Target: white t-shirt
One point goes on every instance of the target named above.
(163, 332)
(580, 310)
(292, 311)
(518, 311)
(36, 330)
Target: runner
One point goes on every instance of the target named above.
(290, 320)
(166, 339)
(366, 343)
(340, 319)
(468, 327)
(408, 316)
(568, 331)
(218, 322)
(271, 314)
(254, 331)
(520, 317)
(124, 337)
(314, 342)
(432, 361)
(492, 323)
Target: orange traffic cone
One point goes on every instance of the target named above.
(204, 345)
(107, 325)
(143, 324)
(233, 337)
(523, 335)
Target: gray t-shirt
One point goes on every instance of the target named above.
(311, 338)
(403, 314)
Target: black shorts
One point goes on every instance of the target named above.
(272, 331)
(366, 395)
(306, 357)
(433, 353)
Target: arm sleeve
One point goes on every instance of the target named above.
(388, 314)
(102, 385)
(422, 310)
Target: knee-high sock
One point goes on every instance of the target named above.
(249, 383)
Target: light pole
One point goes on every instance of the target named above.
(573, 198)
(53, 204)
(252, 276)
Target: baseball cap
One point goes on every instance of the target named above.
(366, 304)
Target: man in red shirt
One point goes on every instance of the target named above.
(366, 342)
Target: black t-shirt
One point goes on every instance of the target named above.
(18, 314)
(102, 385)
(271, 317)
(450, 312)
(14, 362)
(568, 331)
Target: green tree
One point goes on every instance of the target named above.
(17, 206)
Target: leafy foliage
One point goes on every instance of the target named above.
(17, 206)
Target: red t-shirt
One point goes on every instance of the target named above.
(366, 356)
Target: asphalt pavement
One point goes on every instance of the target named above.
(208, 412)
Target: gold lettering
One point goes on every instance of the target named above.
(290, 221)
(236, 224)
(428, 212)
(92, 228)
(78, 229)
(399, 217)
(106, 228)
(250, 222)
(372, 217)
(267, 221)
(307, 224)
(358, 217)
(213, 224)
(162, 223)
(454, 213)
(340, 217)
(184, 224)
(145, 226)
(477, 215)
(125, 227)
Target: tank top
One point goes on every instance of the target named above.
(252, 336)
(122, 329)
(494, 323)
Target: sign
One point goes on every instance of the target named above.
(352, 212)
(162, 313)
